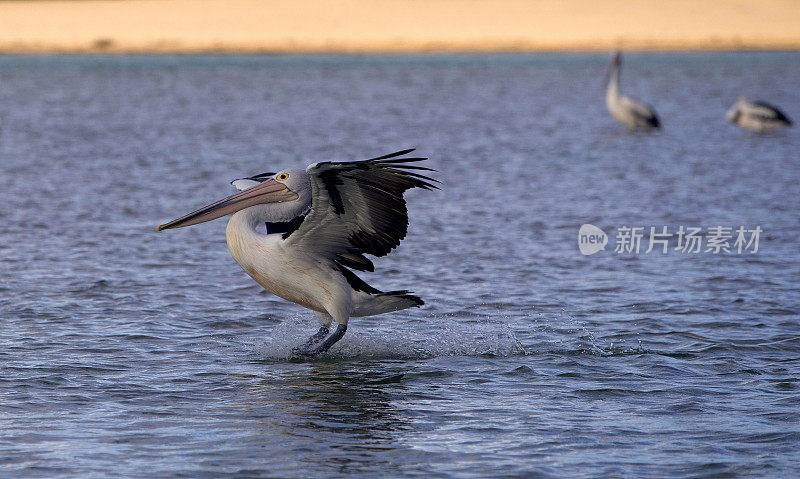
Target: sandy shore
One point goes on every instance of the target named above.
(395, 25)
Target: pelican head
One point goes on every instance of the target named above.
(733, 113)
(613, 65)
(280, 196)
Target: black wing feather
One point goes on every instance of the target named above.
(358, 207)
(775, 113)
(392, 155)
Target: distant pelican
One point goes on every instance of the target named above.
(631, 113)
(756, 115)
(320, 222)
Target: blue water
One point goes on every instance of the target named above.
(131, 353)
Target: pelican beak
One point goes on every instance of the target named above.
(614, 63)
(268, 191)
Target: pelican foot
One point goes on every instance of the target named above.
(308, 350)
(298, 355)
(314, 339)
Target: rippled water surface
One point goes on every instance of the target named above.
(127, 352)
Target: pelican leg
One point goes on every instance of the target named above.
(332, 339)
(312, 341)
(305, 351)
(325, 327)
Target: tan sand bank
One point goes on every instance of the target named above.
(395, 25)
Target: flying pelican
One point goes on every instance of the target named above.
(321, 221)
(756, 115)
(631, 113)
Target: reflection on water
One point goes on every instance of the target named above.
(342, 414)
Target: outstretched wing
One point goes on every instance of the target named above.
(358, 208)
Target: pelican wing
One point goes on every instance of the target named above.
(642, 111)
(358, 207)
(765, 111)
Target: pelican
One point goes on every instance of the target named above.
(320, 222)
(631, 113)
(758, 116)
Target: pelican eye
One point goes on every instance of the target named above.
(282, 177)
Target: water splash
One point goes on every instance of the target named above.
(438, 336)
(574, 336)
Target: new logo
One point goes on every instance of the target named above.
(591, 239)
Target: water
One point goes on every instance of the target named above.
(127, 352)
